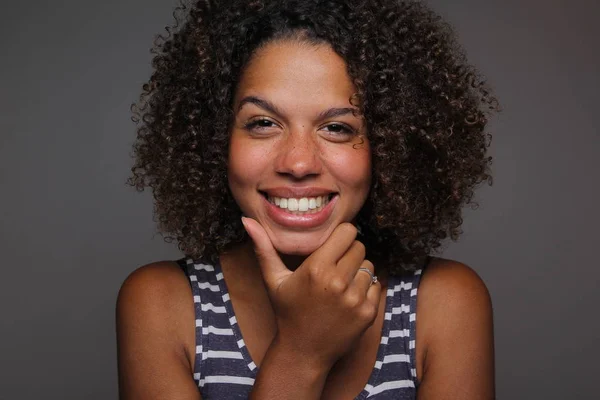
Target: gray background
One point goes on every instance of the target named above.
(71, 231)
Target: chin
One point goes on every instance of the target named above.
(296, 249)
(298, 245)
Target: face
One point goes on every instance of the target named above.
(299, 159)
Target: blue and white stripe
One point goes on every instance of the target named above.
(225, 370)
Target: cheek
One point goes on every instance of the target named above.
(245, 165)
(352, 167)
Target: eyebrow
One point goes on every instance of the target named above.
(270, 107)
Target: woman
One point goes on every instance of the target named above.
(308, 156)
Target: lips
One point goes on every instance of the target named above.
(300, 220)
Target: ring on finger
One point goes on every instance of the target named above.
(373, 276)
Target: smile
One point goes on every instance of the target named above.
(300, 212)
(303, 205)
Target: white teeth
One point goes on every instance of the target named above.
(292, 204)
(304, 204)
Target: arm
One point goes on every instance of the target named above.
(285, 374)
(155, 327)
(455, 331)
(321, 309)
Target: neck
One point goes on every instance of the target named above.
(246, 253)
(292, 262)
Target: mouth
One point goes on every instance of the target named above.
(300, 205)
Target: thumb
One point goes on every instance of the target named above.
(272, 268)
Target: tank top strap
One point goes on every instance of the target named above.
(408, 298)
(205, 291)
(219, 367)
(401, 358)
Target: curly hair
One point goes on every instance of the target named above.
(425, 107)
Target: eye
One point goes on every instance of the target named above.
(338, 131)
(260, 124)
(339, 128)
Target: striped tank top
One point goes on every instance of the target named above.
(224, 369)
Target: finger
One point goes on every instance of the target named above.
(337, 243)
(371, 303)
(271, 266)
(362, 279)
(348, 265)
(373, 294)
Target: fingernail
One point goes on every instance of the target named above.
(244, 223)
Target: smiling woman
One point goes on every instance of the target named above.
(308, 156)
(293, 139)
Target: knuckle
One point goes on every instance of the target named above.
(352, 300)
(368, 313)
(314, 273)
(338, 286)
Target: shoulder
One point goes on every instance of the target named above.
(155, 285)
(454, 317)
(451, 283)
(156, 297)
(450, 292)
(156, 333)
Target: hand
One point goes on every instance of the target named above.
(324, 306)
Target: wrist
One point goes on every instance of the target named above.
(286, 373)
(312, 367)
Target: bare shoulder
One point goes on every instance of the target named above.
(454, 332)
(451, 283)
(155, 296)
(155, 333)
(154, 284)
(450, 292)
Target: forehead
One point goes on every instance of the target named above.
(292, 71)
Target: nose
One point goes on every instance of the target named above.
(298, 156)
